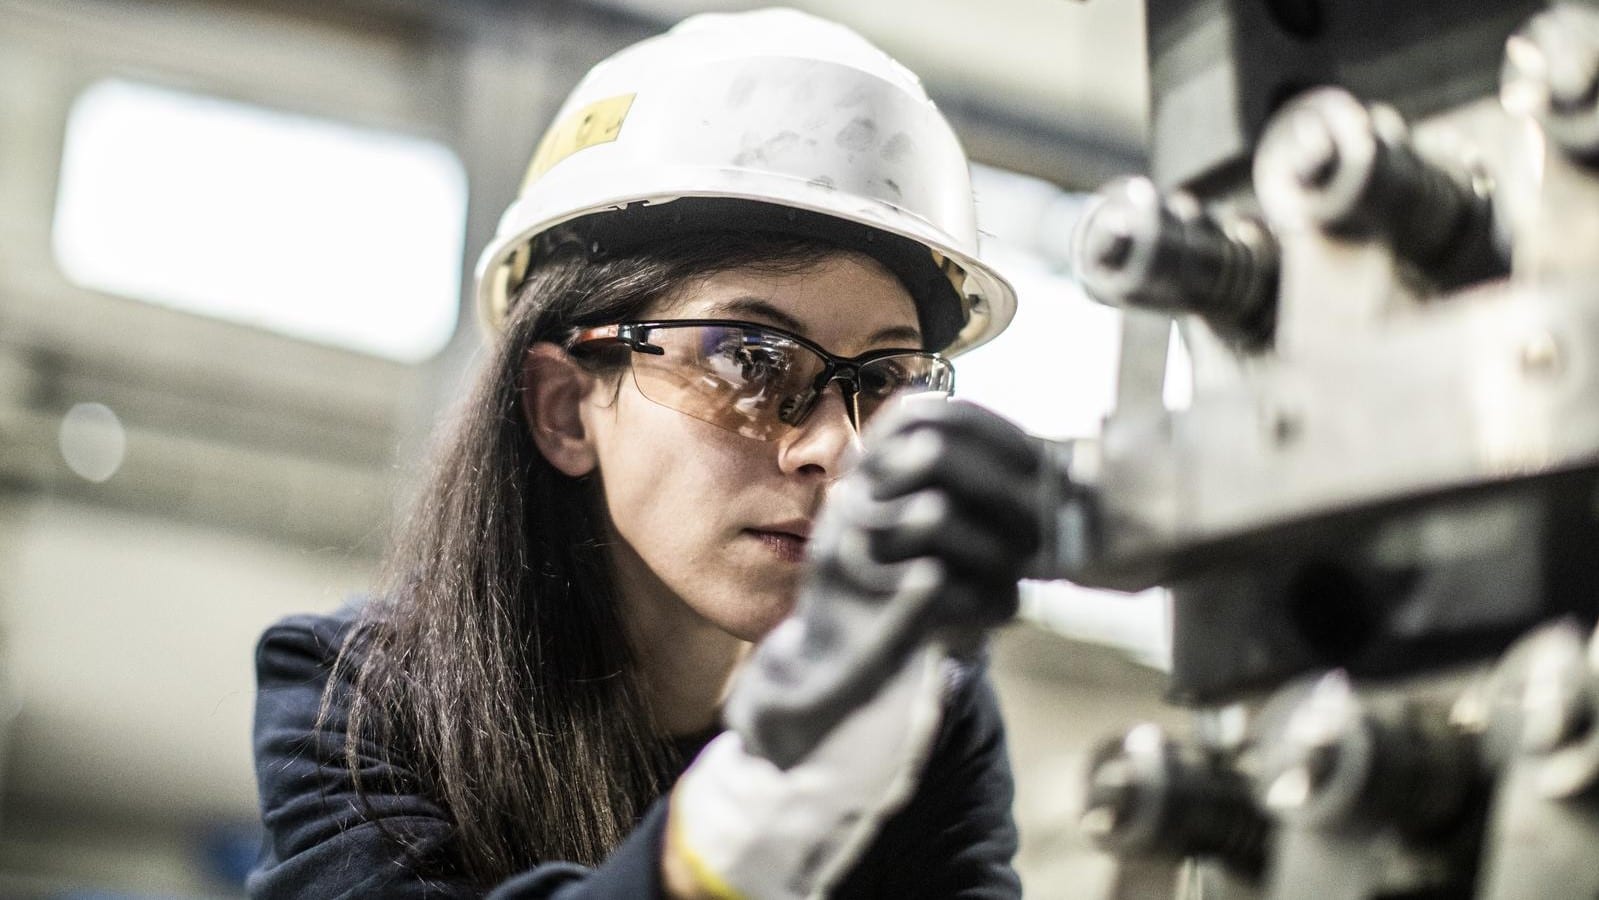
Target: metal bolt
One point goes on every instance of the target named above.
(1110, 792)
(1149, 795)
(1138, 249)
(1313, 154)
(1552, 72)
(1315, 759)
(1570, 56)
(1554, 698)
(1313, 742)
(1572, 85)
(1099, 822)
(1110, 239)
(1290, 791)
(1118, 787)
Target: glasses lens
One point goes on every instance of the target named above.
(910, 373)
(745, 380)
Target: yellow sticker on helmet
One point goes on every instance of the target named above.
(598, 123)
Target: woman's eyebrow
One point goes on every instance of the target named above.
(756, 307)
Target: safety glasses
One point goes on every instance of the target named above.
(756, 380)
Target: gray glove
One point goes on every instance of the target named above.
(921, 545)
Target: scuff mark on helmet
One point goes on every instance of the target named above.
(898, 148)
(763, 152)
(859, 134)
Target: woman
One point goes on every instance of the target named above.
(728, 255)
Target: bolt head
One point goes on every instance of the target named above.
(1312, 149)
(1570, 49)
(1109, 241)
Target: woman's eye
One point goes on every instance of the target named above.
(883, 379)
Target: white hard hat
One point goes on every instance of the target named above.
(771, 120)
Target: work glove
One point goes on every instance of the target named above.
(914, 559)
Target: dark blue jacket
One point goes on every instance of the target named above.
(954, 839)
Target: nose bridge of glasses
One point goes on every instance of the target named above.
(816, 417)
(846, 374)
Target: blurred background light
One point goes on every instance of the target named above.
(327, 231)
(93, 441)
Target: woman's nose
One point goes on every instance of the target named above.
(826, 444)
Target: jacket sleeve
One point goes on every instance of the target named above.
(321, 842)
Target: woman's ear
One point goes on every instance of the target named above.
(554, 387)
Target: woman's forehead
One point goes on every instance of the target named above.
(845, 301)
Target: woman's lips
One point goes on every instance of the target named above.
(785, 546)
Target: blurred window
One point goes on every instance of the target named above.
(330, 232)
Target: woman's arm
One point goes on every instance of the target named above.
(322, 842)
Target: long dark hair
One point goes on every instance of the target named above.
(494, 663)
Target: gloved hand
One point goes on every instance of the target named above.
(915, 557)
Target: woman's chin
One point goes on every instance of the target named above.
(757, 620)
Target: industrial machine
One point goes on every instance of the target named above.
(1376, 226)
